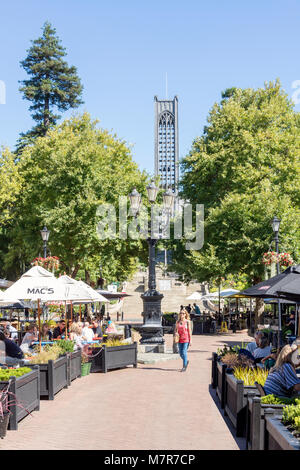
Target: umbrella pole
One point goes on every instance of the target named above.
(66, 317)
(39, 323)
(80, 312)
(71, 311)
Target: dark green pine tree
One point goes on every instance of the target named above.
(53, 84)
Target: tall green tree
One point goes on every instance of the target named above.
(245, 169)
(66, 176)
(53, 84)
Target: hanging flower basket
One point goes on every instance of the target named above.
(285, 259)
(269, 258)
(50, 263)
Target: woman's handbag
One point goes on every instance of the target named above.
(176, 338)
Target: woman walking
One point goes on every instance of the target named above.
(183, 330)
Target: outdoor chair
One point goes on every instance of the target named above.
(261, 389)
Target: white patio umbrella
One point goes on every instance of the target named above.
(194, 296)
(37, 284)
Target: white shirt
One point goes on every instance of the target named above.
(251, 347)
(88, 333)
(262, 352)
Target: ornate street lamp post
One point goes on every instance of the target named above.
(275, 227)
(45, 236)
(151, 331)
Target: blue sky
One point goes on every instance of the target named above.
(123, 49)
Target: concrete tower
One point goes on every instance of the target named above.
(166, 142)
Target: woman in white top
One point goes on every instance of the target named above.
(76, 335)
(87, 332)
(31, 336)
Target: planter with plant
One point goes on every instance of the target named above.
(220, 368)
(113, 355)
(53, 370)
(85, 363)
(258, 408)
(238, 386)
(74, 358)
(24, 392)
(283, 432)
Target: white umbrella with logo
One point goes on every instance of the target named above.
(38, 285)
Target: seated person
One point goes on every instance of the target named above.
(60, 330)
(269, 361)
(111, 328)
(87, 332)
(97, 329)
(254, 344)
(13, 352)
(76, 335)
(12, 330)
(282, 379)
(46, 334)
(263, 349)
(31, 336)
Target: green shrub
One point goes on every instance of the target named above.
(273, 400)
(5, 374)
(65, 345)
(291, 412)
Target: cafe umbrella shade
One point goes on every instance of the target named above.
(37, 285)
(277, 286)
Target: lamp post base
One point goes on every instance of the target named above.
(152, 330)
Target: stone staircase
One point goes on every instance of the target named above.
(174, 291)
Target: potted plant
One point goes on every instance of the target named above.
(85, 363)
(53, 370)
(283, 432)
(24, 391)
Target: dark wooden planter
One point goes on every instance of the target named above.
(27, 394)
(53, 377)
(236, 396)
(278, 437)
(214, 372)
(74, 365)
(220, 382)
(114, 357)
(256, 421)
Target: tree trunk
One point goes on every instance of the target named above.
(259, 310)
(75, 271)
(87, 277)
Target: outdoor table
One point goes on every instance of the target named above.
(42, 343)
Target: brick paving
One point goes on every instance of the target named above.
(153, 407)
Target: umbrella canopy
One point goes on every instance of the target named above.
(16, 305)
(292, 290)
(223, 293)
(35, 284)
(194, 296)
(74, 291)
(94, 295)
(277, 286)
(112, 295)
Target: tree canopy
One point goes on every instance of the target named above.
(245, 169)
(66, 175)
(53, 84)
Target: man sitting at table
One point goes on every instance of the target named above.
(13, 353)
(60, 330)
(87, 332)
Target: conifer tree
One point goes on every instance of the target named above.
(53, 84)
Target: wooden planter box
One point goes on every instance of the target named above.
(115, 357)
(27, 393)
(74, 365)
(257, 413)
(278, 437)
(214, 372)
(53, 377)
(236, 396)
(220, 382)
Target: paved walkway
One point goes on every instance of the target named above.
(153, 407)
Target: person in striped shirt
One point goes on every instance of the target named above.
(282, 379)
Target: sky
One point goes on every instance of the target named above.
(124, 49)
